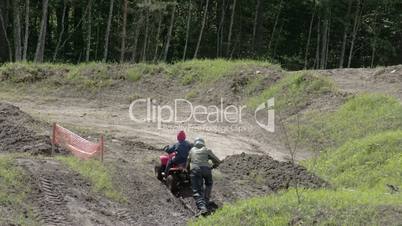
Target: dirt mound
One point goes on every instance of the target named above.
(263, 169)
(19, 132)
(135, 144)
(389, 74)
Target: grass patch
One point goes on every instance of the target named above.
(319, 207)
(96, 172)
(14, 209)
(360, 116)
(27, 72)
(208, 71)
(136, 72)
(368, 163)
(90, 76)
(294, 90)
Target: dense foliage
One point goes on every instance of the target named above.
(296, 33)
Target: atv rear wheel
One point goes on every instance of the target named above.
(158, 172)
(171, 182)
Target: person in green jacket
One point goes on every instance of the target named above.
(200, 173)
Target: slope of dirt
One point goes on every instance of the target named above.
(386, 80)
(17, 133)
(263, 169)
(150, 200)
(61, 197)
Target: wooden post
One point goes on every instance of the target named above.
(53, 138)
(102, 147)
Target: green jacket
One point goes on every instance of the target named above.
(200, 156)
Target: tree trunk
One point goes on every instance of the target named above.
(158, 34)
(187, 29)
(278, 39)
(354, 32)
(219, 33)
(63, 18)
(257, 10)
(124, 32)
(137, 35)
(26, 36)
(107, 34)
(17, 30)
(374, 42)
(324, 43)
(145, 46)
(309, 38)
(231, 28)
(4, 40)
(328, 42)
(169, 36)
(317, 53)
(40, 48)
(373, 53)
(202, 29)
(275, 26)
(89, 32)
(97, 42)
(345, 35)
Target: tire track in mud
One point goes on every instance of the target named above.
(52, 206)
(125, 215)
(61, 197)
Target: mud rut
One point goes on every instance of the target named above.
(61, 197)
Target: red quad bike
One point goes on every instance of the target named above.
(176, 178)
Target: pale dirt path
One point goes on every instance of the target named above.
(363, 80)
(113, 119)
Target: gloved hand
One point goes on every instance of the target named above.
(165, 148)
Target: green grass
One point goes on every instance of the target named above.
(208, 71)
(368, 163)
(14, 207)
(361, 153)
(360, 116)
(99, 176)
(294, 90)
(136, 72)
(27, 72)
(319, 207)
(90, 76)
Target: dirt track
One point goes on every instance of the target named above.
(62, 197)
(132, 149)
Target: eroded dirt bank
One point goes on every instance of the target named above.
(133, 148)
(61, 196)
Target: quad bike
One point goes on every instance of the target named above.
(176, 178)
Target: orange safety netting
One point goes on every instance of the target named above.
(79, 146)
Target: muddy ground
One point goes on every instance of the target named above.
(20, 132)
(63, 197)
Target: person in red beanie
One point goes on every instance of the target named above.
(182, 148)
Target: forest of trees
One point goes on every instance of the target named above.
(298, 34)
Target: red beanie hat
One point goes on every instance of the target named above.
(181, 136)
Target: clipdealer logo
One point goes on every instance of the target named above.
(183, 111)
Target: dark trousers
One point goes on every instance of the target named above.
(199, 176)
(172, 161)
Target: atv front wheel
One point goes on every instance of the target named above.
(171, 183)
(158, 172)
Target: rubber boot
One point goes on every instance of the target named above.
(201, 205)
(207, 194)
